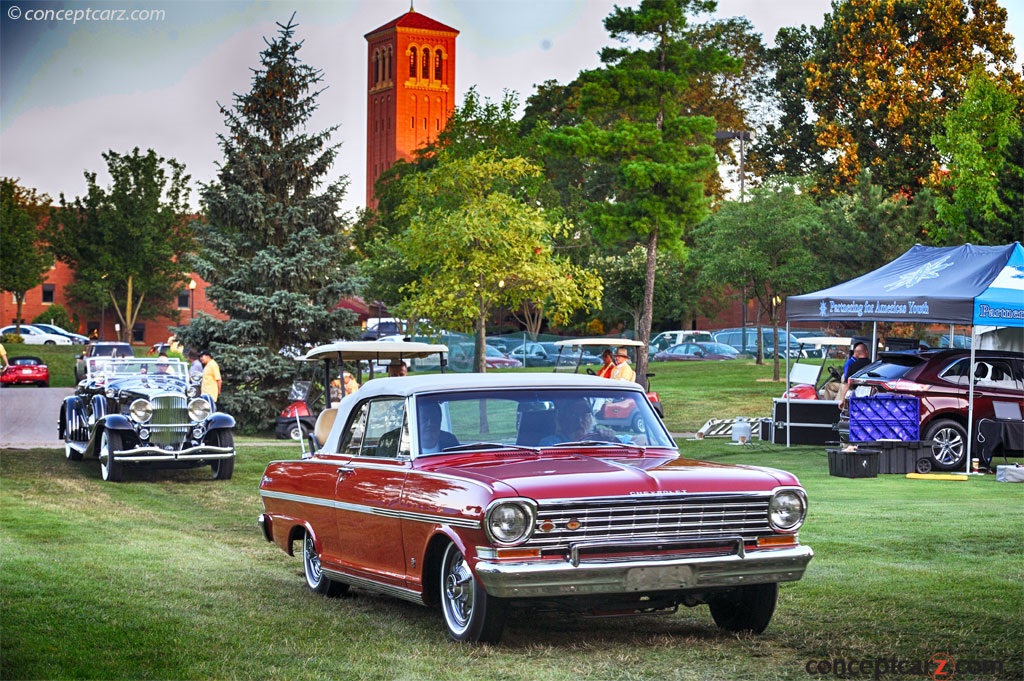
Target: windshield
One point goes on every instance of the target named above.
(112, 368)
(537, 418)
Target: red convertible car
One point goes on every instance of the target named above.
(482, 493)
(25, 370)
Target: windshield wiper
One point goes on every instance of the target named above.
(597, 443)
(486, 445)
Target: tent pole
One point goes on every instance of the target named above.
(789, 417)
(968, 448)
(874, 341)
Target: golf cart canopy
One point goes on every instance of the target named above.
(374, 351)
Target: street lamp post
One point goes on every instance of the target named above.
(742, 136)
(192, 297)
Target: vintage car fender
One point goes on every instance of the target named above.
(99, 408)
(73, 423)
(115, 422)
(219, 420)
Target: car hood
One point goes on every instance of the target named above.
(575, 474)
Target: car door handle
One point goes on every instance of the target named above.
(345, 470)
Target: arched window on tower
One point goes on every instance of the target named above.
(425, 71)
(376, 67)
(412, 62)
(389, 57)
(437, 65)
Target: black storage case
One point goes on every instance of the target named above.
(862, 463)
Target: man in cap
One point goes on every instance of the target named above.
(622, 370)
(211, 375)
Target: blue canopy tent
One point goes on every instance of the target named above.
(967, 285)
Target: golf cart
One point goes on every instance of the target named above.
(580, 348)
(806, 381)
(375, 354)
(808, 412)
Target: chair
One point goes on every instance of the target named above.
(324, 424)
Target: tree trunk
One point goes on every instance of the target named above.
(480, 345)
(643, 331)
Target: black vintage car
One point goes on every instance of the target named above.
(140, 411)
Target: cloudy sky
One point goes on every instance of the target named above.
(72, 89)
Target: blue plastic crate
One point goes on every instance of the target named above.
(885, 417)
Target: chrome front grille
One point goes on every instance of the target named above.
(170, 422)
(653, 518)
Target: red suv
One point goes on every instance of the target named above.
(939, 378)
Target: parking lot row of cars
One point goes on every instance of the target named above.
(44, 334)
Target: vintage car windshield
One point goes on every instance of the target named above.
(116, 368)
(537, 418)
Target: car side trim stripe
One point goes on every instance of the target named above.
(371, 510)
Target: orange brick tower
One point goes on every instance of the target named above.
(410, 89)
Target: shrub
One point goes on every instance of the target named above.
(56, 315)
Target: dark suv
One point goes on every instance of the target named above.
(939, 378)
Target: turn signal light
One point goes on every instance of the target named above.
(777, 540)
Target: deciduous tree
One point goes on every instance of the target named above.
(477, 244)
(765, 245)
(127, 242)
(974, 142)
(884, 73)
(24, 260)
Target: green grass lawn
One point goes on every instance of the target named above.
(167, 577)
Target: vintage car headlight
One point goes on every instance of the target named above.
(141, 410)
(510, 521)
(787, 509)
(111, 393)
(198, 409)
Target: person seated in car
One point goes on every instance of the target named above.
(397, 368)
(574, 422)
(432, 438)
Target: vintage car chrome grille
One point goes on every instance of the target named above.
(655, 518)
(170, 422)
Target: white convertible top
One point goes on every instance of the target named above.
(374, 351)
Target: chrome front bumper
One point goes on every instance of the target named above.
(201, 452)
(555, 578)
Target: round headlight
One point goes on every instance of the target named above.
(198, 409)
(141, 410)
(510, 522)
(786, 510)
(110, 392)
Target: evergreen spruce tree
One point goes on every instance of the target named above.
(274, 248)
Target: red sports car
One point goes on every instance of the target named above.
(482, 493)
(26, 370)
